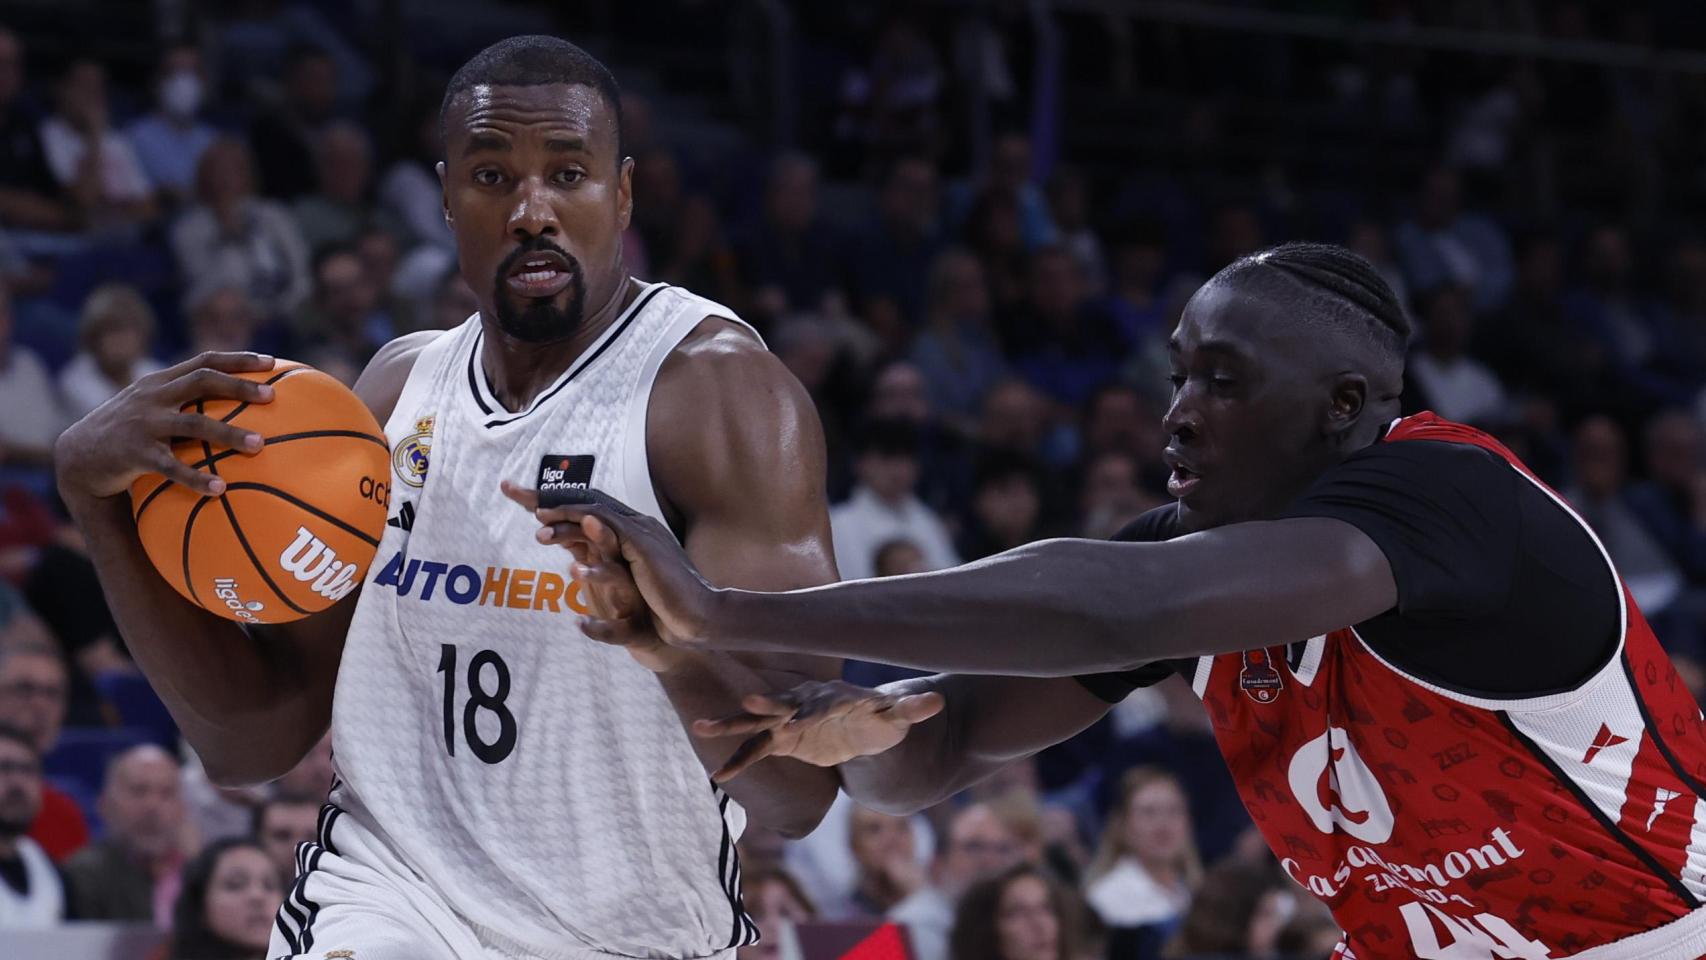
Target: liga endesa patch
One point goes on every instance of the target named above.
(564, 478)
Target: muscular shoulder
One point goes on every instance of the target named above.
(726, 409)
(381, 383)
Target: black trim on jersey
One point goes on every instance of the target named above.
(1641, 853)
(630, 315)
(1653, 731)
(744, 933)
(304, 910)
(473, 383)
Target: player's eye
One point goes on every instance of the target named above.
(487, 177)
(570, 176)
(1177, 380)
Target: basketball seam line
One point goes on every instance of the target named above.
(237, 529)
(266, 441)
(303, 505)
(239, 408)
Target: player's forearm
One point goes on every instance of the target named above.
(787, 796)
(1056, 608)
(986, 722)
(230, 692)
(931, 764)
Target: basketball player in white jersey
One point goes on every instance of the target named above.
(506, 787)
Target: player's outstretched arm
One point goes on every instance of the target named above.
(1055, 608)
(913, 743)
(250, 701)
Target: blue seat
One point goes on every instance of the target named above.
(138, 707)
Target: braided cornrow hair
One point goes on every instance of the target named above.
(1342, 276)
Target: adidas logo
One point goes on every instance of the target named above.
(405, 518)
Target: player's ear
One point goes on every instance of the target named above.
(1346, 404)
(625, 192)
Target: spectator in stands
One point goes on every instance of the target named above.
(1600, 495)
(170, 141)
(1442, 376)
(1020, 914)
(884, 504)
(281, 823)
(114, 337)
(992, 232)
(453, 302)
(1069, 207)
(773, 898)
(1235, 230)
(233, 238)
(957, 351)
(34, 414)
(1539, 348)
(1610, 308)
(1442, 245)
(312, 775)
(94, 163)
(1006, 507)
(1060, 341)
(29, 196)
(1112, 495)
(900, 391)
(1671, 502)
(1015, 419)
(409, 191)
(1146, 868)
(789, 257)
(346, 310)
(977, 845)
(225, 912)
(897, 558)
(221, 318)
(887, 861)
(33, 696)
(1239, 910)
(336, 212)
(31, 893)
(133, 872)
(890, 259)
(1118, 419)
(1135, 298)
(284, 138)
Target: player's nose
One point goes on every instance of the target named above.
(533, 214)
(1183, 419)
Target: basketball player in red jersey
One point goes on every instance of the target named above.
(1441, 706)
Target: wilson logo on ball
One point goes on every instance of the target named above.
(309, 559)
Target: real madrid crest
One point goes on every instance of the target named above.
(410, 457)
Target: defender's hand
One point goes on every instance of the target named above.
(820, 723)
(617, 613)
(131, 434)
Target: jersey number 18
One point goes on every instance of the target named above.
(478, 699)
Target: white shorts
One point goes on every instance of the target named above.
(342, 908)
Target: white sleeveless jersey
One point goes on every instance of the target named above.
(538, 782)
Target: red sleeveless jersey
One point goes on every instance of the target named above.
(1442, 826)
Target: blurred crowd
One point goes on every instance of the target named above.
(968, 232)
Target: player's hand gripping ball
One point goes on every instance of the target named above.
(299, 521)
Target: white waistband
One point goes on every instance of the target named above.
(1681, 939)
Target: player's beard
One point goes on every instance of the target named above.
(539, 320)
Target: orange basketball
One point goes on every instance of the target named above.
(299, 522)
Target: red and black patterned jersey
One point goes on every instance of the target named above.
(1447, 813)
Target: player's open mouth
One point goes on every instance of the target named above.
(1183, 479)
(543, 274)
